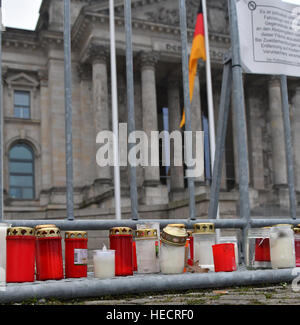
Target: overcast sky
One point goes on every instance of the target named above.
(21, 13)
(24, 13)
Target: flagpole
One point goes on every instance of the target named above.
(115, 118)
(211, 117)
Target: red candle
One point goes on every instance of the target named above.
(49, 261)
(262, 250)
(20, 254)
(297, 245)
(120, 239)
(76, 254)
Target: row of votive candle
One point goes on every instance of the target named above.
(36, 253)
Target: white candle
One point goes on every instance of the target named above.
(172, 259)
(203, 250)
(153, 225)
(282, 247)
(3, 232)
(146, 255)
(104, 263)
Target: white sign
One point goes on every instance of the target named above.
(269, 32)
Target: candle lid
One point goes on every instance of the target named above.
(284, 225)
(20, 231)
(76, 234)
(48, 232)
(204, 228)
(174, 236)
(178, 225)
(145, 233)
(44, 226)
(297, 230)
(120, 231)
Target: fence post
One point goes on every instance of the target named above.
(130, 105)
(239, 108)
(288, 146)
(68, 111)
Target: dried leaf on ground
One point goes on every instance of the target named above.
(196, 268)
(220, 292)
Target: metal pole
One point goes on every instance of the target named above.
(239, 108)
(288, 146)
(130, 105)
(221, 136)
(68, 110)
(1, 121)
(91, 287)
(209, 89)
(187, 102)
(211, 117)
(104, 224)
(115, 118)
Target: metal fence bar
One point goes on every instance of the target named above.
(221, 136)
(92, 287)
(187, 102)
(68, 111)
(239, 109)
(130, 106)
(96, 224)
(288, 146)
(115, 117)
(1, 121)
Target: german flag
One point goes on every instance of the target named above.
(197, 52)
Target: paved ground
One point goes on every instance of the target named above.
(280, 294)
(272, 295)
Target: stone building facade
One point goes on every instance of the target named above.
(34, 113)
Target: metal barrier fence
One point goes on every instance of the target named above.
(81, 288)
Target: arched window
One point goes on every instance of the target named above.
(21, 172)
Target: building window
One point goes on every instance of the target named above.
(21, 172)
(21, 104)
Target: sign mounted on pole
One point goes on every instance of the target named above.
(269, 32)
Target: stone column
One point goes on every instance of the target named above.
(138, 110)
(296, 135)
(148, 61)
(154, 192)
(235, 147)
(57, 134)
(99, 56)
(254, 104)
(278, 145)
(177, 172)
(276, 119)
(88, 135)
(76, 134)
